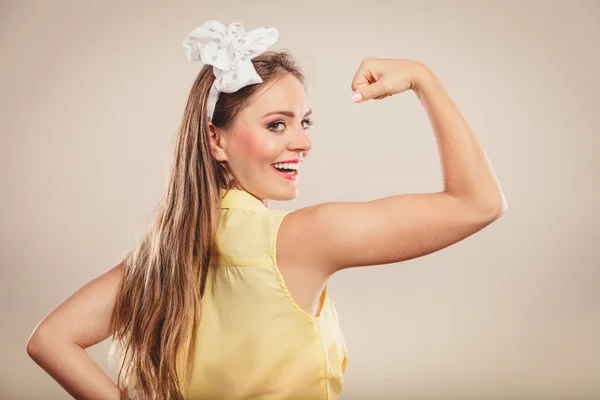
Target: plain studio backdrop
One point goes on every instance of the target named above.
(92, 92)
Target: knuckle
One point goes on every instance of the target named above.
(366, 61)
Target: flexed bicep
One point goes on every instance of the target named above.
(393, 229)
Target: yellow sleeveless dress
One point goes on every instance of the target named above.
(253, 341)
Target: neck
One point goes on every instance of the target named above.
(238, 187)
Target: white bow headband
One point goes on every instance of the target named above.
(229, 51)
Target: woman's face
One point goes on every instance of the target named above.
(270, 130)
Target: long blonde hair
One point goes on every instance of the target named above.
(158, 304)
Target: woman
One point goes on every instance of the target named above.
(225, 299)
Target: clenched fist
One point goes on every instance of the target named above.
(378, 78)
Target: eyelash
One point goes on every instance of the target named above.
(308, 122)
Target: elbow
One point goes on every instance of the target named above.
(496, 205)
(46, 339)
(495, 209)
(488, 209)
(38, 343)
(34, 346)
(35, 343)
(502, 206)
(489, 205)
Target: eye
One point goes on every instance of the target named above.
(308, 122)
(273, 126)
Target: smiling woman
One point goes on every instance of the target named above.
(223, 298)
(261, 141)
(242, 139)
(250, 150)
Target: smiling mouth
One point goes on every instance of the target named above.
(286, 167)
(285, 172)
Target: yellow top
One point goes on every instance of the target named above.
(253, 340)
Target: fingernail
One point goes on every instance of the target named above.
(356, 97)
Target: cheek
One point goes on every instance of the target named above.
(257, 147)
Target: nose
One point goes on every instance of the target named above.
(300, 141)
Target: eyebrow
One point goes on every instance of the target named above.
(287, 113)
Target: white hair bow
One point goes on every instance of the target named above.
(229, 51)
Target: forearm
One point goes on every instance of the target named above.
(71, 366)
(467, 172)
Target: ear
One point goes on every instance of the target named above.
(217, 142)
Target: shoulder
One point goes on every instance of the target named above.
(248, 237)
(297, 237)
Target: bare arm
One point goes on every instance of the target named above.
(468, 174)
(59, 341)
(339, 235)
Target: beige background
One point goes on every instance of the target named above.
(91, 93)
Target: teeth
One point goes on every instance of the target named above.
(285, 166)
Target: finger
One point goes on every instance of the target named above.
(382, 96)
(359, 81)
(369, 92)
(363, 77)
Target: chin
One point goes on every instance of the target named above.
(284, 194)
